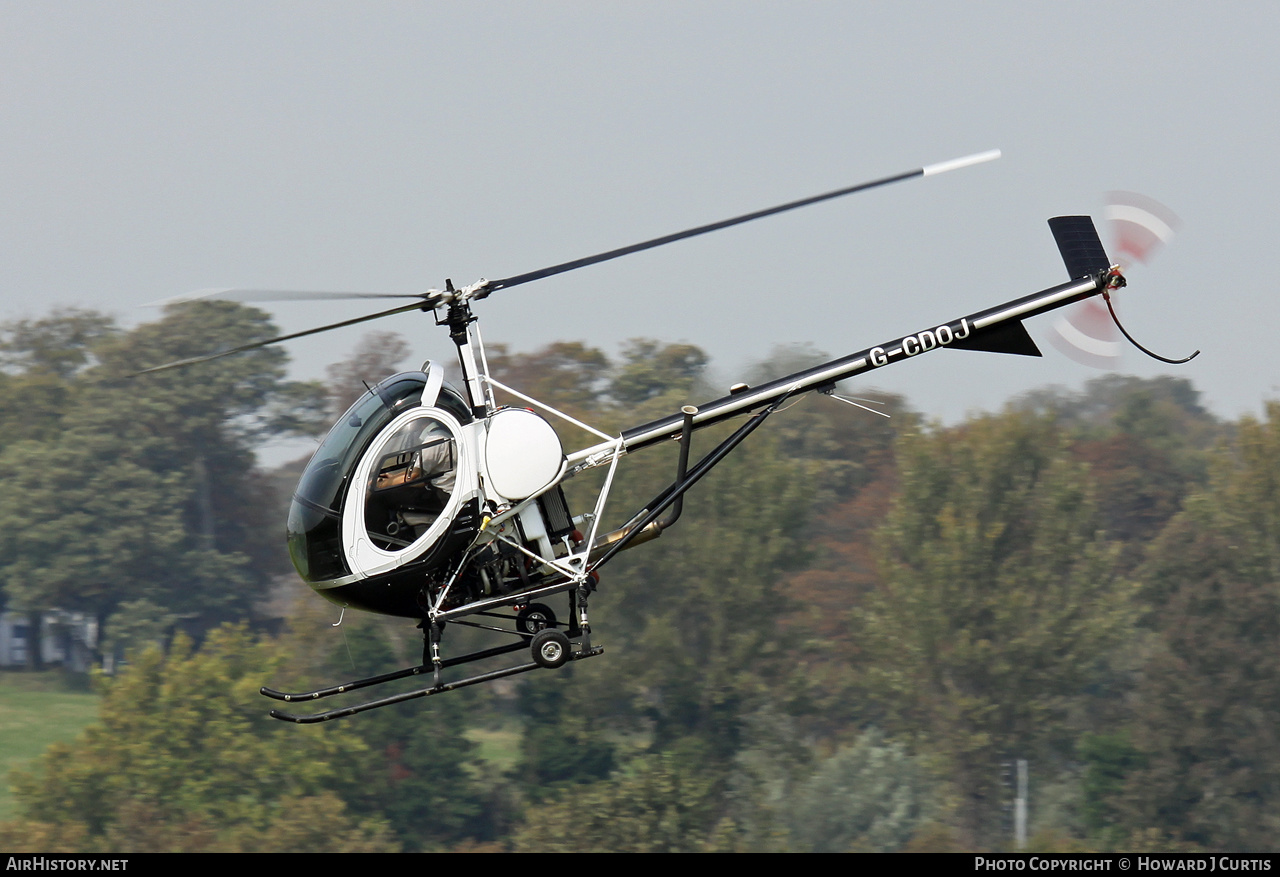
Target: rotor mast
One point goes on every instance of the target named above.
(459, 318)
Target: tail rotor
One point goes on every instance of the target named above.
(1137, 227)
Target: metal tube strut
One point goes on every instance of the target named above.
(680, 487)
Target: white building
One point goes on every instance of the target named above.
(66, 639)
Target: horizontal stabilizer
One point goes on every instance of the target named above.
(1010, 337)
(1078, 242)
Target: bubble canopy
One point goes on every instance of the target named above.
(315, 515)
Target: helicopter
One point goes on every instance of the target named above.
(439, 505)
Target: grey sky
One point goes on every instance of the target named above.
(155, 148)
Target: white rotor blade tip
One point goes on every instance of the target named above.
(956, 163)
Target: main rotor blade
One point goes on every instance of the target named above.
(926, 171)
(248, 295)
(425, 301)
(419, 305)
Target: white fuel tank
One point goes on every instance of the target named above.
(522, 454)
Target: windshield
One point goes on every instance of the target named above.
(315, 516)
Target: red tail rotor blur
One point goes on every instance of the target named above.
(1136, 227)
(1088, 335)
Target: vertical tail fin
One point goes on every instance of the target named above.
(1081, 249)
(1086, 333)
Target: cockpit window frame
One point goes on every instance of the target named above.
(315, 515)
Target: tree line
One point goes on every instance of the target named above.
(858, 623)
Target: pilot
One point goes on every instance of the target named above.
(420, 490)
(436, 461)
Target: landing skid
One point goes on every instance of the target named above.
(411, 695)
(537, 632)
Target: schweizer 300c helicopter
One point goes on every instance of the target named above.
(441, 506)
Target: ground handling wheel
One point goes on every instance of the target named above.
(535, 617)
(551, 649)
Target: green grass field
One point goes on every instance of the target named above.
(498, 747)
(36, 709)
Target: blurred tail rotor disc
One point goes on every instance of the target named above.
(1088, 335)
(1137, 228)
